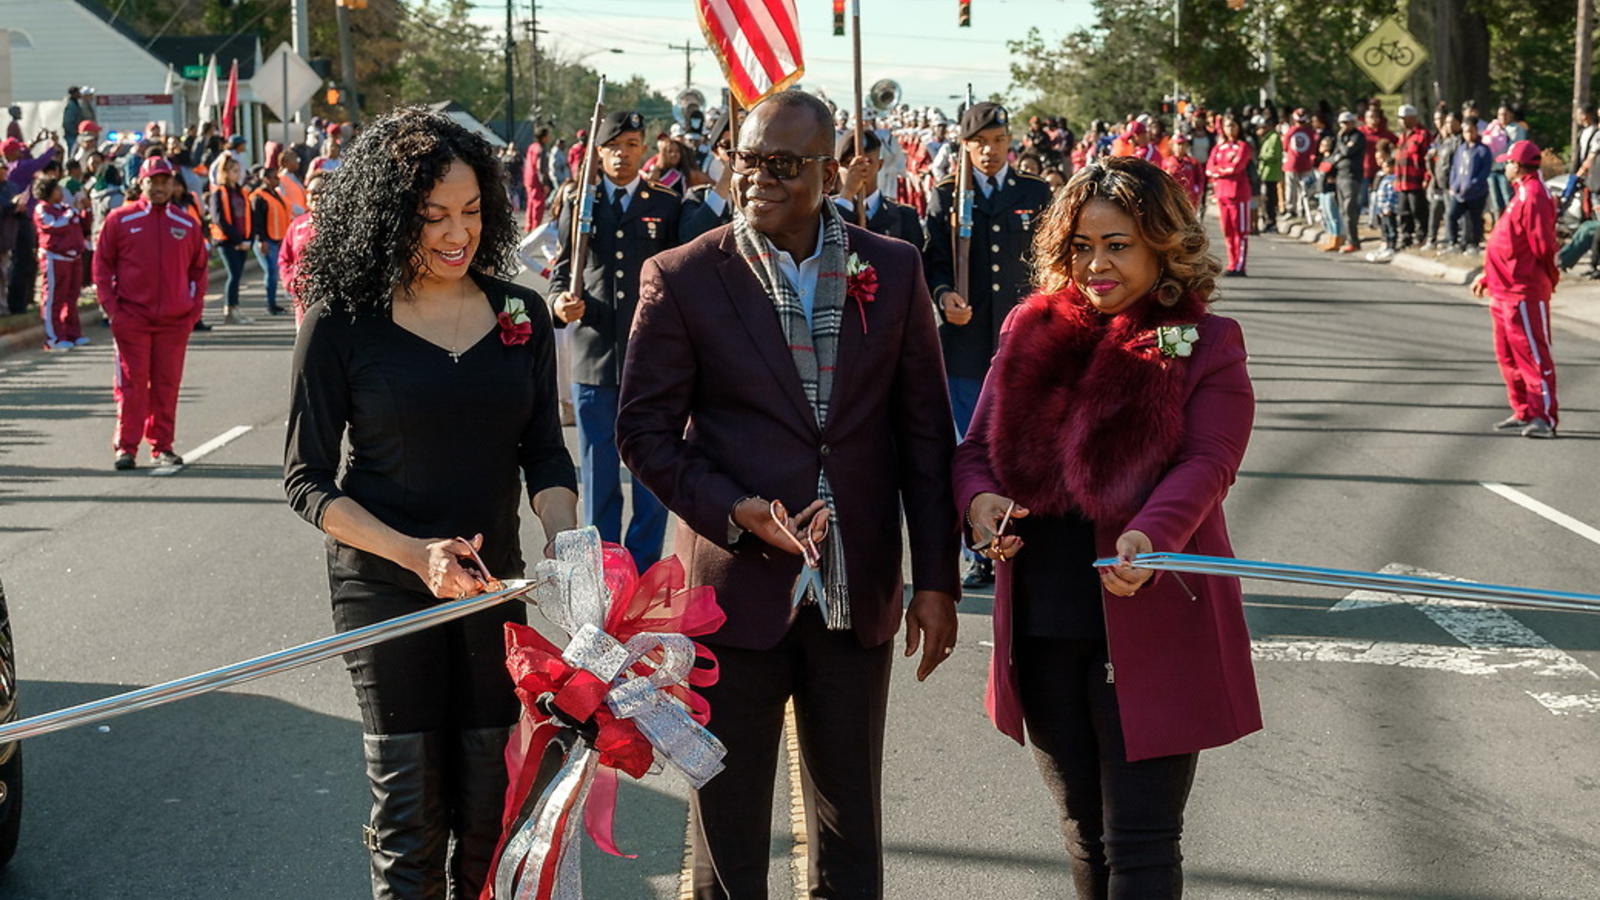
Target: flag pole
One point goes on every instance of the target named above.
(861, 148)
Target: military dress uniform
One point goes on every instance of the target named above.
(1005, 210)
(703, 210)
(631, 223)
(884, 216)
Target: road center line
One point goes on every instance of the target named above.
(203, 450)
(1582, 529)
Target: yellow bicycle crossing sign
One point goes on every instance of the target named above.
(1389, 54)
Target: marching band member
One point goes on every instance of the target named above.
(61, 231)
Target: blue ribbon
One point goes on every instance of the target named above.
(1504, 595)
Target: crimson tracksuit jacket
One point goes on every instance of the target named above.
(150, 263)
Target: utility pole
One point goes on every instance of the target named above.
(1582, 70)
(511, 91)
(300, 35)
(533, 39)
(688, 61)
(347, 62)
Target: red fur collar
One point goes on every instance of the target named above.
(1087, 411)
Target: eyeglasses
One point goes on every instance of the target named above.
(782, 166)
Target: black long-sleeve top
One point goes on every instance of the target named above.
(435, 446)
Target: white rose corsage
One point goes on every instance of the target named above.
(1177, 341)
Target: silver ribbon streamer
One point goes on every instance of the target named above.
(571, 592)
(259, 667)
(1498, 594)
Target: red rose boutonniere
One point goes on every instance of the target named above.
(515, 326)
(861, 285)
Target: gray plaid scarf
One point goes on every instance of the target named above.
(815, 348)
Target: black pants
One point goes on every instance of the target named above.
(1465, 221)
(841, 693)
(24, 269)
(1351, 195)
(1122, 820)
(1269, 204)
(1436, 211)
(450, 677)
(1413, 216)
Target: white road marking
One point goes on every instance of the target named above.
(203, 450)
(1581, 529)
(1496, 643)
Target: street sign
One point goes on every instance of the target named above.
(1389, 54)
(194, 73)
(284, 82)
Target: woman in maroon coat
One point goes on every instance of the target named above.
(1113, 423)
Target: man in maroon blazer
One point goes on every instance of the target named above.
(745, 339)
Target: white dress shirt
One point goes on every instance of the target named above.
(802, 276)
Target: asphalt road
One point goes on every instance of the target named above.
(1398, 761)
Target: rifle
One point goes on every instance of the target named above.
(583, 226)
(963, 215)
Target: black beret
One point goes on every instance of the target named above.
(845, 148)
(984, 115)
(616, 123)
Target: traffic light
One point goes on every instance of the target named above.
(351, 4)
(964, 18)
(838, 18)
(334, 97)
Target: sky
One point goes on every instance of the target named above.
(914, 42)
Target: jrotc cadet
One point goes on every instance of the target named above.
(633, 220)
(1006, 204)
(860, 174)
(707, 206)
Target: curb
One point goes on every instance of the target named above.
(1411, 262)
(1432, 268)
(32, 338)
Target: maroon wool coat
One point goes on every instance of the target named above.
(1158, 459)
(712, 411)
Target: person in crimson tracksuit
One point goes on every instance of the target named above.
(61, 229)
(1519, 275)
(150, 274)
(1229, 168)
(1185, 170)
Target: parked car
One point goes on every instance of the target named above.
(10, 753)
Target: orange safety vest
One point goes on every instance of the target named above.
(226, 206)
(277, 213)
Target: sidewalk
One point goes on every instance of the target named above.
(1575, 299)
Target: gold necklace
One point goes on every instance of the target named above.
(455, 334)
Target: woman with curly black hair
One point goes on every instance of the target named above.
(441, 378)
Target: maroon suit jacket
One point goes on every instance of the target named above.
(1183, 672)
(712, 411)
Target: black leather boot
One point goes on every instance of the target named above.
(479, 793)
(409, 831)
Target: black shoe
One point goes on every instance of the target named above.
(274, 309)
(409, 830)
(125, 461)
(168, 458)
(200, 325)
(1240, 273)
(480, 793)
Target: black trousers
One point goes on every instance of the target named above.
(24, 269)
(841, 693)
(1465, 220)
(1413, 216)
(1351, 195)
(1122, 821)
(450, 677)
(1269, 204)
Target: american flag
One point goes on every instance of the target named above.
(757, 42)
